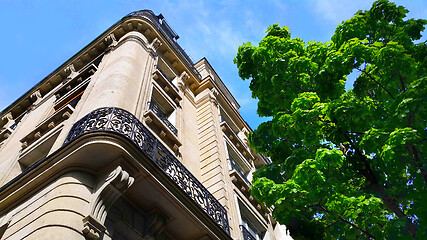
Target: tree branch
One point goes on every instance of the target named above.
(414, 152)
(402, 83)
(351, 224)
(388, 201)
(379, 84)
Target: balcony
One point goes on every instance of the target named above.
(49, 123)
(239, 171)
(120, 122)
(156, 110)
(246, 234)
(237, 142)
(166, 84)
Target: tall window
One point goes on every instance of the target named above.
(249, 231)
(236, 163)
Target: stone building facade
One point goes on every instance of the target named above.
(129, 139)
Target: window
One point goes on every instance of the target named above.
(164, 109)
(167, 72)
(125, 221)
(236, 163)
(72, 101)
(161, 118)
(249, 231)
(39, 150)
(166, 80)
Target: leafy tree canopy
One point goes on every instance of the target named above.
(346, 164)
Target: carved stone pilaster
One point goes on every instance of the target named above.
(108, 189)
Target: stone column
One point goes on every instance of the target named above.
(120, 78)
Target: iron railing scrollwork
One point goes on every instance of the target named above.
(121, 122)
(239, 171)
(159, 113)
(246, 234)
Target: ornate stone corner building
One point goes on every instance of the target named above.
(129, 139)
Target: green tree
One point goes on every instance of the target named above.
(346, 164)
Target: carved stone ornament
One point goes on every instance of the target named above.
(184, 77)
(153, 46)
(154, 225)
(111, 42)
(108, 189)
(7, 120)
(70, 71)
(181, 86)
(36, 97)
(212, 97)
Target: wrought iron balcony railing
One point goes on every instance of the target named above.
(155, 108)
(246, 234)
(239, 171)
(121, 122)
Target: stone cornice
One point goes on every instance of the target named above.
(142, 21)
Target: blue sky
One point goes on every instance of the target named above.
(37, 36)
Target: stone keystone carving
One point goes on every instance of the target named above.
(108, 189)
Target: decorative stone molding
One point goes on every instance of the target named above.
(7, 128)
(111, 42)
(71, 72)
(184, 77)
(48, 124)
(181, 86)
(154, 224)
(212, 96)
(7, 119)
(153, 46)
(36, 97)
(109, 188)
(92, 228)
